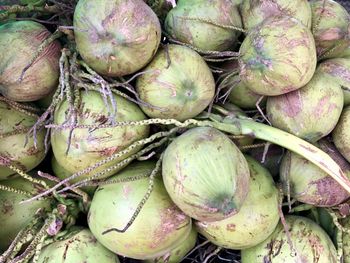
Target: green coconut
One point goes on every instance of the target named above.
(79, 246)
(346, 241)
(88, 146)
(180, 90)
(205, 174)
(330, 27)
(310, 243)
(339, 69)
(341, 134)
(277, 56)
(202, 33)
(14, 125)
(116, 37)
(15, 216)
(178, 253)
(255, 221)
(308, 184)
(159, 227)
(256, 11)
(311, 112)
(20, 41)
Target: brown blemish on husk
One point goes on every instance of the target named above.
(7, 207)
(231, 227)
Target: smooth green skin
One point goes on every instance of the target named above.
(339, 69)
(180, 91)
(116, 37)
(179, 252)
(15, 216)
(277, 57)
(243, 97)
(309, 184)
(310, 242)
(12, 147)
(311, 112)
(341, 134)
(19, 42)
(255, 221)
(205, 174)
(87, 147)
(202, 35)
(158, 228)
(254, 12)
(81, 246)
(330, 25)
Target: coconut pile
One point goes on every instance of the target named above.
(174, 131)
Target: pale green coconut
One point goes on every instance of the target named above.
(310, 243)
(256, 11)
(159, 227)
(182, 25)
(179, 90)
(90, 146)
(116, 37)
(14, 125)
(341, 134)
(79, 246)
(15, 216)
(311, 112)
(20, 41)
(330, 27)
(205, 174)
(255, 221)
(278, 56)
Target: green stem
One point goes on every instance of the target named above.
(14, 9)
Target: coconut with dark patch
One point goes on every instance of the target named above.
(193, 22)
(341, 134)
(177, 254)
(159, 227)
(79, 245)
(330, 27)
(309, 243)
(179, 84)
(256, 11)
(311, 112)
(255, 221)
(88, 146)
(278, 56)
(14, 125)
(116, 37)
(339, 69)
(308, 184)
(20, 41)
(205, 174)
(15, 216)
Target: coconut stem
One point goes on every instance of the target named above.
(117, 181)
(214, 253)
(14, 9)
(154, 173)
(16, 191)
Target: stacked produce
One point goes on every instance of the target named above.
(174, 131)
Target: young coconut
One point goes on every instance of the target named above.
(178, 253)
(339, 69)
(22, 79)
(330, 27)
(205, 174)
(341, 134)
(78, 246)
(311, 112)
(180, 85)
(158, 228)
(201, 23)
(255, 221)
(277, 56)
(308, 243)
(116, 38)
(307, 183)
(88, 146)
(15, 122)
(15, 216)
(254, 12)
